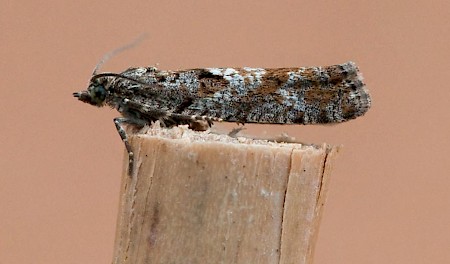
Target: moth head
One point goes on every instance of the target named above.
(95, 94)
(103, 86)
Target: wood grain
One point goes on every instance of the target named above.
(195, 197)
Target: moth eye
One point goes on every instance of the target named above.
(98, 94)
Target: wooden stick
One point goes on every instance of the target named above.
(196, 197)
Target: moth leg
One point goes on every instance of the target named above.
(191, 118)
(197, 123)
(118, 121)
(162, 123)
(233, 133)
(144, 111)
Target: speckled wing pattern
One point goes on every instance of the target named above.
(307, 95)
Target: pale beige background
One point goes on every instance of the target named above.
(61, 160)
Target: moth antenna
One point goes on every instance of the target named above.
(109, 55)
(117, 75)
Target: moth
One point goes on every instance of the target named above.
(199, 97)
